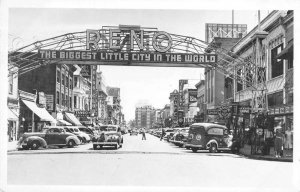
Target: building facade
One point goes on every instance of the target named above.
(13, 108)
(145, 116)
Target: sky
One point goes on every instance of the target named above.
(149, 85)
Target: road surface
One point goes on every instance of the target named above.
(147, 163)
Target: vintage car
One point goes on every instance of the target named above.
(110, 136)
(83, 137)
(87, 131)
(209, 136)
(181, 136)
(49, 136)
(168, 134)
(134, 132)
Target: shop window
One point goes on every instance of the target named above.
(290, 61)
(58, 76)
(275, 99)
(57, 97)
(10, 91)
(277, 64)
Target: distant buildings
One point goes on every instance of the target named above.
(145, 116)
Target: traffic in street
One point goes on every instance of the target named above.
(150, 162)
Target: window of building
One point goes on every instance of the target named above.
(58, 76)
(63, 79)
(70, 102)
(290, 62)
(290, 97)
(70, 84)
(75, 102)
(62, 99)
(67, 101)
(275, 99)
(57, 97)
(67, 81)
(277, 64)
(10, 91)
(75, 81)
(239, 82)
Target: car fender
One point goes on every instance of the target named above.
(211, 141)
(42, 141)
(75, 138)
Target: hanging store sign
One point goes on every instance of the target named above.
(144, 57)
(281, 110)
(82, 113)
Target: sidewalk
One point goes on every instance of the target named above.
(287, 155)
(12, 145)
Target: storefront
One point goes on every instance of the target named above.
(12, 123)
(33, 114)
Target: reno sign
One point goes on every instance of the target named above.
(132, 46)
(93, 38)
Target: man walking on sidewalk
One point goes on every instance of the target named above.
(143, 134)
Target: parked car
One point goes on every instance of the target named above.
(209, 136)
(181, 137)
(55, 136)
(83, 137)
(133, 132)
(87, 131)
(110, 136)
(168, 134)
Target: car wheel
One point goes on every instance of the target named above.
(213, 148)
(194, 150)
(35, 145)
(71, 143)
(116, 147)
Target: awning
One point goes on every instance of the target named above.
(63, 122)
(71, 118)
(288, 50)
(41, 112)
(11, 116)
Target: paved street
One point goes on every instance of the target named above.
(162, 164)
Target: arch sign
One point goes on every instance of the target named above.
(128, 46)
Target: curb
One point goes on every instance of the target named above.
(92, 152)
(267, 158)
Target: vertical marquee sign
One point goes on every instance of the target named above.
(182, 82)
(94, 91)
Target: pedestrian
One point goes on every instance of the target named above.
(143, 134)
(163, 132)
(278, 143)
